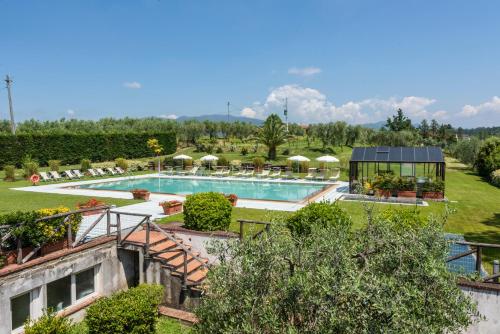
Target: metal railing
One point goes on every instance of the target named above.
(477, 251)
(242, 222)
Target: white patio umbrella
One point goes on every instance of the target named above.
(298, 158)
(182, 157)
(209, 158)
(327, 159)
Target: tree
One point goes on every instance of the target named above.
(352, 135)
(338, 133)
(399, 122)
(337, 280)
(272, 134)
(424, 129)
(488, 157)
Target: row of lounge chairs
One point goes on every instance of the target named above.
(275, 173)
(77, 174)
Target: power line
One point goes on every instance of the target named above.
(8, 82)
(228, 103)
(286, 113)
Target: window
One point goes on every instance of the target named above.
(20, 309)
(59, 294)
(84, 282)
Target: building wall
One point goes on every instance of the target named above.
(488, 303)
(110, 276)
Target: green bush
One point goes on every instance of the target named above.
(244, 151)
(122, 163)
(54, 165)
(30, 166)
(207, 212)
(94, 146)
(435, 186)
(85, 164)
(222, 161)
(405, 183)
(488, 158)
(318, 215)
(10, 172)
(49, 323)
(495, 178)
(219, 150)
(258, 162)
(133, 311)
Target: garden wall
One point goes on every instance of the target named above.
(487, 297)
(72, 148)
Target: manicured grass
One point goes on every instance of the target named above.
(164, 326)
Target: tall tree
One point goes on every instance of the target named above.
(272, 134)
(424, 129)
(399, 122)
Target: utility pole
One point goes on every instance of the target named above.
(8, 82)
(286, 113)
(228, 111)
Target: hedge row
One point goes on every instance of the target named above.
(71, 149)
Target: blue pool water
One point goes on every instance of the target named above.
(279, 191)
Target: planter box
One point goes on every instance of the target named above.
(141, 195)
(384, 193)
(432, 195)
(90, 213)
(54, 246)
(10, 257)
(407, 193)
(173, 209)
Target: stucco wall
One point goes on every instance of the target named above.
(488, 303)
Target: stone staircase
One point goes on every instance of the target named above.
(170, 253)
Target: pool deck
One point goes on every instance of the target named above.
(334, 192)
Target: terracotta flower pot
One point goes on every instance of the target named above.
(384, 193)
(432, 195)
(172, 208)
(141, 194)
(10, 257)
(407, 193)
(233, 199)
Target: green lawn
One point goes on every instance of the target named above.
(164, 326)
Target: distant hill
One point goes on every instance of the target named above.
(376, 125)
(221, 118)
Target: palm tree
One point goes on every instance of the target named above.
(272, 134)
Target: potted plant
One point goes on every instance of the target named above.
(171, 207)
(433, 190)
(384, 185)
(368, 189)
(232, 198)
(406, 187)
(141, 194)
(92, 203)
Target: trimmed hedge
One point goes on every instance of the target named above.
(132, 311)
(49, 323)
(72, 148)
(208, 211)
(319, 215)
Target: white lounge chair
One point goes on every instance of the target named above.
(276, 173)
(311, 174)
(77, 173)
(289, 175)
(169, 170)
(264, 173)
(100, 172)
(45, 177)
(119, 170)
(335, 177)
(226, 172)
(111, 171)
(241, 172)
(218, 172)
(193, 170)
(248, 173)
(69, 174)
(55, 175)
(320, 176)
(92, 172)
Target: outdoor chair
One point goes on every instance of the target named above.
(119, 170)
(92, 172)
(55, 175)
(45, 177)
(320, 176)
(77, 173)
(240, 172)
(264, 173)
(100, 172)
(248, 173)
(311, 174)
(169, 170)
(69, 174)
(111, 171)
(335, 177)
(289, 175)
(276, 173)
(226, 172)
(193, 170)
(218, 172)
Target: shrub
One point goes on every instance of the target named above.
(304, 166)
(495, 178)
(133, 311)
(222, 161)
(488, 158)
(49, 323)
(10, 172)
(122, 163)
(94, 146)
(258, 162)
(318, 215)
(219, 150)
(207, 212)
(435, 186)
(54, 165)
(244, 151)
(30, 166)
(404, 183)
(286, 151)
(85, 164)
(209, 149)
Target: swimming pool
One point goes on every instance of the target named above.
(261, 190)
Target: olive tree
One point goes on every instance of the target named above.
(388, 277)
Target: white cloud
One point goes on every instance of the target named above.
(310, 105)
(132, 85)
(171, 116)
(248, 112)
(70, 112)
(304, 71)
(491, 106)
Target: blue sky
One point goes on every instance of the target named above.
(334, 60)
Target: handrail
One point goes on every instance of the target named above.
(247, 221)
